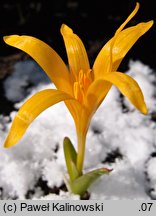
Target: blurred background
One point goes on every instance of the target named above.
(94, 21)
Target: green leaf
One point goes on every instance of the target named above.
(70, 157)
(82, 183)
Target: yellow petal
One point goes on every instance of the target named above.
(128, 18)
(118, 31)
(46, 57)
(128, 87)
(96, 93)
(74, 108)
(104, 58)
(30, 110)
(78, 113)
(111, 55)
(125, 40)
(76, 52)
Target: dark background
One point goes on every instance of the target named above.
(94, 21)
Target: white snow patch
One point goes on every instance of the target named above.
(124, 182)
(62, 196)
(151, 173)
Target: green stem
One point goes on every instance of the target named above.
(81, 151)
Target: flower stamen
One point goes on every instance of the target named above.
(81, 85)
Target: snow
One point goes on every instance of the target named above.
(62, 196)
(151, 174)
(119, 137)
(19, 84)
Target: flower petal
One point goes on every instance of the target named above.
(46, 57)
(125, 40)
(111, 55)
(133, 13)
(96, 93)
(104, 58)
(77, 56)
(130, 88)
(74, 108)
(127, 85)
(30, 110)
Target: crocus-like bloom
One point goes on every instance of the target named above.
(80, 87)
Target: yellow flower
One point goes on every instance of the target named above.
(80, 87)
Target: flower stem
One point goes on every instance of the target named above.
(81, 151)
